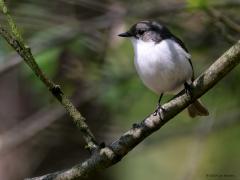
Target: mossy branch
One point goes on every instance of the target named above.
(113, 153)
(10, 21)
(16, 41)
(105, 157)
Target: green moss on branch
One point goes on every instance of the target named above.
(16, 41)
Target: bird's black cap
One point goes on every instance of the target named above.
(138, 30)
(151, 30)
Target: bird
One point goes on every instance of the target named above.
(163, 62)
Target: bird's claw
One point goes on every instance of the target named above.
(159, 111)
(188, 89)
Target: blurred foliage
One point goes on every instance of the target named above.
(47, 60)
(197, 3)
(90, 59)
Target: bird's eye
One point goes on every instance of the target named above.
(140, 32)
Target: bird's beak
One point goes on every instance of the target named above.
(125, 34)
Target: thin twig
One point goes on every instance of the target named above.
(29, 127)
(224, 32)
(36, 123)
(223, 23)
(113, 153)
(224, 19)
(67, 33)
(16, 41)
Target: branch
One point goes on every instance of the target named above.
(222, 21)
(113, 153)
(16, 41)
(158, 11)
(222, 18)
(29, 127)
(35, 123)
(62, 37)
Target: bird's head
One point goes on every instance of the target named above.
(147, 31)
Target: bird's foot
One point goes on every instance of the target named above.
(159, 111)
(188, 89)
(102, 145)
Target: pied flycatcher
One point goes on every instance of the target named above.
(163, 62)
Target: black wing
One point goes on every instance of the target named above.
(165, 33)
(179, 41)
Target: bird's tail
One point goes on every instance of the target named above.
(197, 109)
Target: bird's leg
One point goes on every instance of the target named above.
(159, 107)
(188, 89)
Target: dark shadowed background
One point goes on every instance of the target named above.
(75, 42)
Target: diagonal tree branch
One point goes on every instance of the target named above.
(223, 23)
(35, 123)
(107, 156)
(222, 18)
(113, 153)
(67, 33)
(16, 41)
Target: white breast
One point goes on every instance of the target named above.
(163, 67)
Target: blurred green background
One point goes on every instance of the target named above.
(75, 42)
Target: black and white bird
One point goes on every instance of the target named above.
(162, 61)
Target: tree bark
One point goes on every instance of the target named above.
(113, 153)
